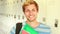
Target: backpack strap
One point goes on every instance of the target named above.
(18, 28)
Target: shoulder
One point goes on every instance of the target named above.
(13, 29)
(43, 28)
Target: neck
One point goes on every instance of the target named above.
(34, 23)
(31, 21)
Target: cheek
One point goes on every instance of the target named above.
(26, 14)
(35, 13)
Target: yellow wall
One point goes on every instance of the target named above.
(50, 9)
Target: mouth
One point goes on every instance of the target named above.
(30, 16)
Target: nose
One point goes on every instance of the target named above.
(31, 13)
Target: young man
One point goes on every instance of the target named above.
(30, 9)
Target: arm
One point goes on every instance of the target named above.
(13, 30)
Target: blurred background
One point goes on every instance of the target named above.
(11, 13)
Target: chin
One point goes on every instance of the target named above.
(31, 19)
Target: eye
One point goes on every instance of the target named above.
(33, 9)
(26, 10)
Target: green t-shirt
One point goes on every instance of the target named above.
(28, 29)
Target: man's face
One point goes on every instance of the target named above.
(31, 12)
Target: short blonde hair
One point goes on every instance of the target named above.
(29, 3)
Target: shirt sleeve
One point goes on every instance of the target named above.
(13, 30)
(43, 29)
